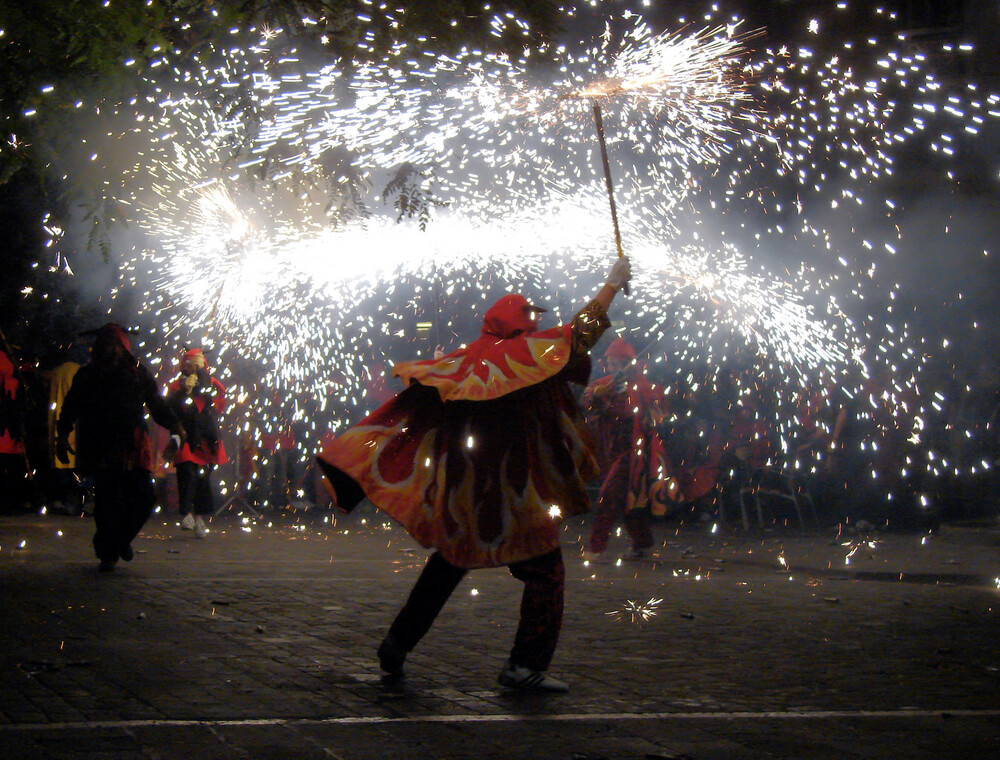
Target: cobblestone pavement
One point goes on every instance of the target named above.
(258, 642)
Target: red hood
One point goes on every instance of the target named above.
(193, 354)
(621, 348)
(509, 316)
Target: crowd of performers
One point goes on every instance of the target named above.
(103, 395)
(667, 449)
(480, 455)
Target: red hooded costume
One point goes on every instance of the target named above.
(485, 451)
(620, 412)
(199, 417)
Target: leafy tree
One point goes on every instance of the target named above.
(55, 55)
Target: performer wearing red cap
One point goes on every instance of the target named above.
(620, 409)
(479, 459)
(197, 399)
(106, 404)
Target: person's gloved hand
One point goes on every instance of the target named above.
(178, 432)
(171, 449)
(620, 274)
(63, 449)
(190, 381)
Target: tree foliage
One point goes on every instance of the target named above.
(411, 195)
(55, 54)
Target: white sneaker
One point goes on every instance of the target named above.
(200, 529)
(518, 677)
(188, 522)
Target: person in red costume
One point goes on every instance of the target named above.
(278, 454)
(107, 403)
(749, 441)
(622, 409)
(479, 458)
(13, 464)
(197, 399)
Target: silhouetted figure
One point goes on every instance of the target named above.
(480, 458)
(106, 403)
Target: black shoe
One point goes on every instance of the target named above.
(127, 554)
(106, 566)
(391, 657)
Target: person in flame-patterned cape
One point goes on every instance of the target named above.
(479, 458)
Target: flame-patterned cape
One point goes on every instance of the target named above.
(486, 449)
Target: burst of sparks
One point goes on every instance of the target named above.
(858, 544)
(255, 181)
(636, 612)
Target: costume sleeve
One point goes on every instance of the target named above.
(205, 386)
(587, 327)
(219, 396)
(70, 406)
(163, 415)
(596, 399)
(175, 392)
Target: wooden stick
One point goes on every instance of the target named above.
(608, 183)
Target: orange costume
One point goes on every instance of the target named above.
(485, 451)
(479, 458)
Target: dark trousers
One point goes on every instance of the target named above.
(276, 479)
(194, 488)
(537, 634)
(123, 501)
(14, 492)
(611, 502)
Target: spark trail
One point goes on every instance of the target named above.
(257, 185)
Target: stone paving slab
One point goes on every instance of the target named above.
(259, 642)
(677, 737)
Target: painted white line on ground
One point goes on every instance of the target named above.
(360, 720)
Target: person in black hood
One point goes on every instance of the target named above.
(106, 403)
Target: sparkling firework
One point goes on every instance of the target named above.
(256, 180)
(636, 612)
(859, 544)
